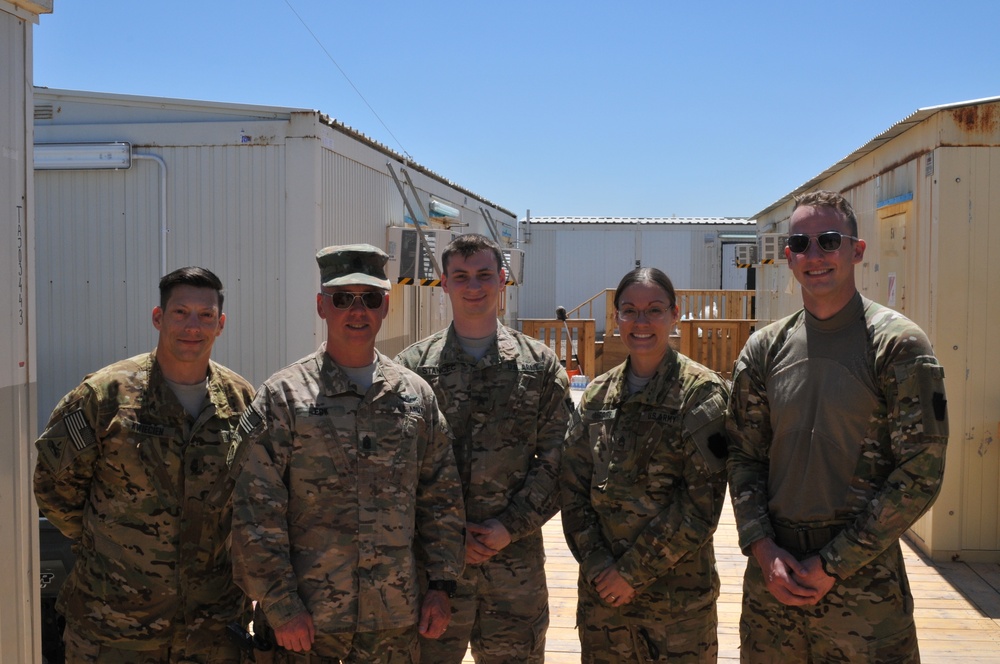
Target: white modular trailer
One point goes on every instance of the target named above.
(927, 196)
(570, 259)
(249, 192)
(20, 627)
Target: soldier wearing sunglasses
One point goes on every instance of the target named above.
(346, 476)
(838, 426)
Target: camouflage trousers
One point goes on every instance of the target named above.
(501, 609)
(391, 646)
(615, 635)
(82, 648)
(866, 618)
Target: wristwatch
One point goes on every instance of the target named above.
(449, 587)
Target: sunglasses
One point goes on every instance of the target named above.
(371, 299)
(829, 241)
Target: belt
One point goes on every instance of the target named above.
(804, 539)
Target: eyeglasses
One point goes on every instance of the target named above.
(653, 314)
(828, 241)
(371, 299)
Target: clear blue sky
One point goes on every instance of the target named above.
(624, 108)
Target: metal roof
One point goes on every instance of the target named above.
(653, 221)
(892, 132)
(229, 111)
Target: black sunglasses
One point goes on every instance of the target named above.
(371, 299)
(829, 241)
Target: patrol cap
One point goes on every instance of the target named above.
(353, 265)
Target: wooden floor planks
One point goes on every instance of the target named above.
(957, 604)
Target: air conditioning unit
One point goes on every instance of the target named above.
(409, 263)
(772, 248)
(515, 266)
(746, 255)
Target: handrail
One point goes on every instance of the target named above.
(572, 341)
(575, 311)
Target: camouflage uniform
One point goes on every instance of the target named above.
(338, 493)
(144, 491)
(509, 412)
(838, 432)
(643, 484)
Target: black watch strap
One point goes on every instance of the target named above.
(448, 586)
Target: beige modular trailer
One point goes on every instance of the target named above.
(20, 628)
(250, 192)
(927, 195)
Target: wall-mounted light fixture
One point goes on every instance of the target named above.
(439, 209)
(742, 237)
(82, 156)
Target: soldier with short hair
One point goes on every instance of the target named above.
(346, 477)
(132, 467)
(838, 424)
(506, 397)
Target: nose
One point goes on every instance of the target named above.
(191, 321)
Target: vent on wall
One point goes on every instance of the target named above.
(772, 248)
(746, 255)
(43, 112)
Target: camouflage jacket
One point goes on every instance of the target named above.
(643, 482)
(839, 422)
(145, 492)
(338, 494)
(509, 412)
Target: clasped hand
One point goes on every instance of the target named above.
(791, 581)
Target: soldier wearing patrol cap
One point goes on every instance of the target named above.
(132, 466)
(346, 477)
(839, 425)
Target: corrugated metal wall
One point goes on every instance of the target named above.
(99, 256)
(930, 217)
(569, 263)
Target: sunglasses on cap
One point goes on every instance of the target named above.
(371, 299)
(828, 241)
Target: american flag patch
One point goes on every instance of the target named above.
(79, 431)
(250, 420)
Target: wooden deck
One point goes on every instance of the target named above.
(957, 604)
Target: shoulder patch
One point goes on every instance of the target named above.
(250, 420)
(79, 431)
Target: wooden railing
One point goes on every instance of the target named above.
(725, 317)
(716, 342)
(725, 304)
(575, 350)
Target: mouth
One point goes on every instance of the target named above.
(819, 273)
(641, 335)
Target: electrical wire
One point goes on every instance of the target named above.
(348, 79)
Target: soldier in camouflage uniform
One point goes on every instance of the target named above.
(132, 467)
(838, 426)
(507, 399)
(643, 483)
(346, 476)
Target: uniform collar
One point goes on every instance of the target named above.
(504, 350)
